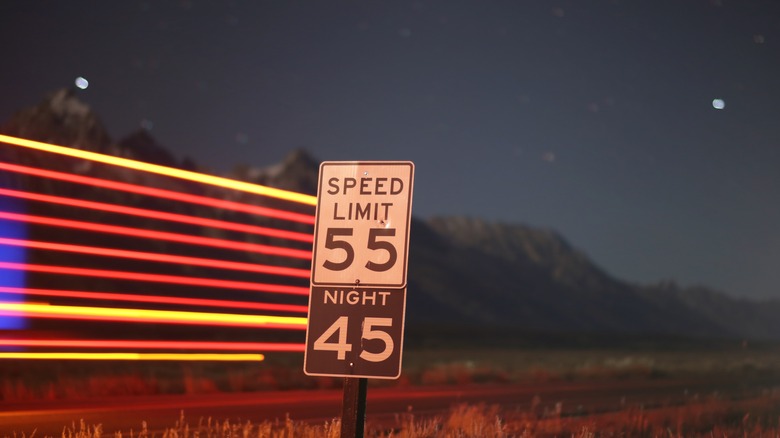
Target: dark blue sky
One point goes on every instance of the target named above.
(592, 118)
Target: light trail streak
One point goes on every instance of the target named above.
(31, 310)
(158, 278)
(152, 214)
(161, 193)
(156, 257)
(163, 170)
(158, 235)
(154, 345)
(244, 357)
(156, 299)
(133, 315)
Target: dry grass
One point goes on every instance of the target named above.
(758, 417)
(462, 421)
(30, 380)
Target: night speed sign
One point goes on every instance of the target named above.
(358, 279)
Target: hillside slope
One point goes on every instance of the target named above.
(465, 274)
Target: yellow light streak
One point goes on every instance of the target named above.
(134, 356)
(145, 315)
(163, 170)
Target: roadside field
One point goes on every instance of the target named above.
(458, 392)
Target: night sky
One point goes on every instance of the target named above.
(646, 133)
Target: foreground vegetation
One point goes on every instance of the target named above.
(27, 381)
(759, 417)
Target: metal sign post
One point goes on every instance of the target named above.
(357, 303)
(353, 408)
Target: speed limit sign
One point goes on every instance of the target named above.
(362, 229)
(359, 261)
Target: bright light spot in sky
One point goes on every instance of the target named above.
(718, 104)
(82, 83)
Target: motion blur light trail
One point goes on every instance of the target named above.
(159, 235)
(163, 170)
(159, 278)
(136, 356)
(154, 316)
(164, 258)
(161, 215)
(153, 345)
(12, 255)
(93, 249)
(161, 193)
(108, 296)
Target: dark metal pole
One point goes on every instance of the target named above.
(353, 409)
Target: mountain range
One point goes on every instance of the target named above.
(469, 278)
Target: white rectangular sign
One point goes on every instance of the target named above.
(362, 232)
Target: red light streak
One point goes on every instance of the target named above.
(83, 313)
(159, 278)
(155, 257)
(134, 315)
(159, 235)
(160, 193)
(154, 345)
(156, 299)
(162, 170)
(173, 217)
(254, 357)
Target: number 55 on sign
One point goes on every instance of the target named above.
(362, 229)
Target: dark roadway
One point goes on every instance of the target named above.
(160, 412)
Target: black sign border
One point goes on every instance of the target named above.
(399, 365)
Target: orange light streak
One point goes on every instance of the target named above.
(159, 278)
(158, 235)
(163, 170)
(152, 214)
(154, 345)
(160, 193)
(156, 299)
(156, 257)
(245, 357)
(32, 310)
